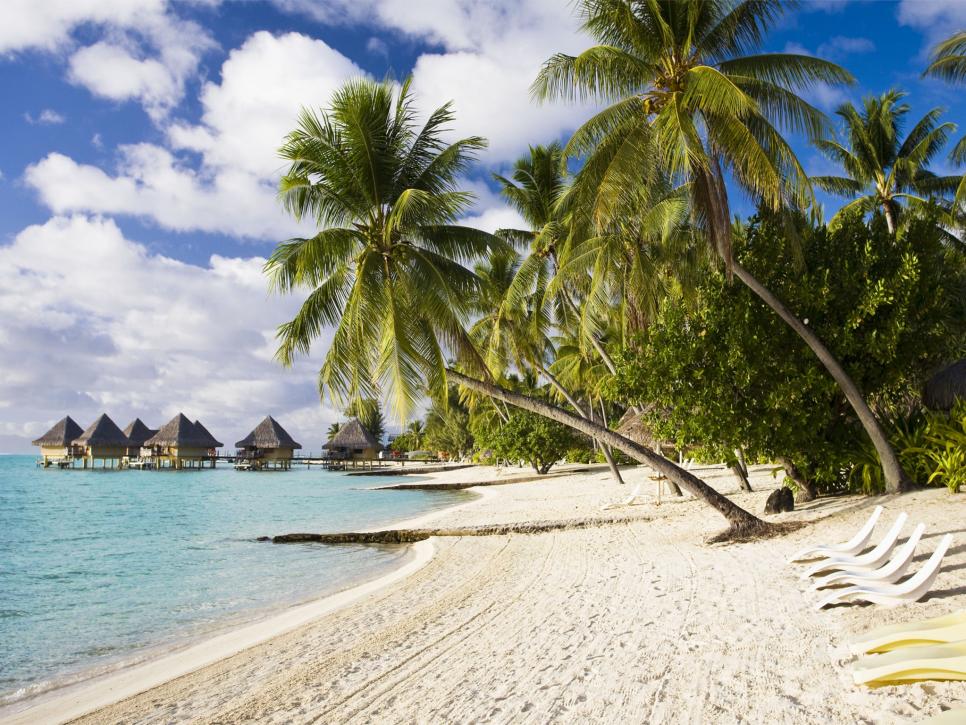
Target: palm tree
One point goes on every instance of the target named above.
(537, 185)
(688, 102)
(949, 63)
(333, 429)
(417, 430)
(882, 169)
(948, 59)
(386, 269)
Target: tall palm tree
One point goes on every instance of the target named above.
(333, 429)
(882, 169)
(386, 269)
(689, 101)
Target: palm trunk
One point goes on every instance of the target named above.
(807, 490)
(740, 455)
(605, 449)
(890, 216)
(742, 477)
(741, 522)
(895, 478)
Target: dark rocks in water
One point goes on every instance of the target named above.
(780, 500)
(264, 538)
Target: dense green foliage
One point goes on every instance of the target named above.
(528, 437)
(727, 372)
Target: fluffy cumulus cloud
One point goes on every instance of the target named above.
(167, 337)
(244, 119)
(935, 17)
(145, 52)
(491, 52)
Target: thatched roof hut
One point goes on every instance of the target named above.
(179, 432)
(632, 425)
(353, 437)
(212, 442)
(137, 432)
(103, 433)
(268, 434)
(943, 388)
(61, 435)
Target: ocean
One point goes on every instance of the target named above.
(100, 569)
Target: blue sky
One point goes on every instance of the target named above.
(138, 171)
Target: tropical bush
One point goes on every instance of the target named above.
(529, 437)
(722, 371)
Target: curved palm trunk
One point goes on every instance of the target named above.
(742, 477)
(895, 478)
(741, 522)
(605, 449)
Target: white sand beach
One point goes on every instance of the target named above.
(635, 621)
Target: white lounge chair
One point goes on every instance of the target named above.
(892, 595)
(872, 560)
(852, 546)
(627, 501)
(913, 664)
(937, 630)
(893, 571)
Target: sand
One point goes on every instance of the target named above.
(638, 620)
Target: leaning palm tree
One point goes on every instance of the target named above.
(689, 102)
(387, 268)
(884, 170)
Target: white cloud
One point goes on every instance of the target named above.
(939, 17)
(47, 24)
(47, 117)
(492, 52)
(144, 52)
(244, 120)
(102, 324)
(840, 46)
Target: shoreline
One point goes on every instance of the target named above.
(75, 699)
(597, 624)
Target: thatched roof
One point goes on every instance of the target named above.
(180, 432)
(64, 431)
(268, 434)
(942, 389)
(353, 435)
(103, 432)
(212, 442)
(633, 426)
(137, 432)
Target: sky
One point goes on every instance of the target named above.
(138, 171)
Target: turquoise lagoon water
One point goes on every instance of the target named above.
(100, 568)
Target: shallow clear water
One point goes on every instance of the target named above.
(95, 566)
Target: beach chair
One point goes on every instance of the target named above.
(866, 562)
(625, 502)
(852, 546)
(938, 630)
(892, 595)
(893, 571)
(913, 664)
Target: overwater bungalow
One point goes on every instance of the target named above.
(353, 443)
(56, 444)
(268, 446)
(181, 444)
(138, 433)
(103, 441)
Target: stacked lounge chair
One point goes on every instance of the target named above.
(874, 576)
